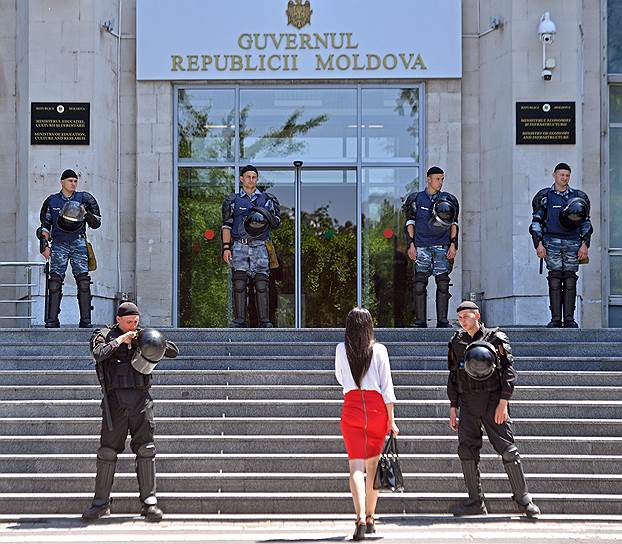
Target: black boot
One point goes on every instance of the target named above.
(420, 300)
(474, 505)
(83, 281)
(145, 471)
(262, 301)
(442, 301)
(240, 281)
(570, 299)
(514, 469)
(55, 295)
(555, 298)
(106, 465)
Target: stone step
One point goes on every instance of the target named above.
(300, 377)
(217, 482)
(296, 503)
(518, 334)
(291, 363)
(334, 392)
(316, 463)
(303, 408)
(64, 444)
(303, 426)
(319, 349)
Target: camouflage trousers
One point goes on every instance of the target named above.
(64, 252)
(432, 261)
(251, 258)
(561, 255)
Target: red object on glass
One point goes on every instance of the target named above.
(209, 234)
(388, 233)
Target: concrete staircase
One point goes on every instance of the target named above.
(247, 422)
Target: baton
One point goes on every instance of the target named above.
(101, 378)
(46, 303)
(541, 263)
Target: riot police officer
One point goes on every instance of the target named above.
(247, 218)
(62, 238)
(125, 356)
(561, 231)
(480, 385)
(432, 240)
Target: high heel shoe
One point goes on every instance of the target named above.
(359, 532)
(370, 525)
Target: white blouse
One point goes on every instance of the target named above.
(377, 378)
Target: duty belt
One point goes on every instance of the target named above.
(247, 241)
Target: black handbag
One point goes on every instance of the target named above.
(389, 474)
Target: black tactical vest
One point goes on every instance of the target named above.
(118, 370)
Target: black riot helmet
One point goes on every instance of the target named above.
(480, 360)
(257, 222)
(574, 213)
(150, 351)
(71, 216)
(444, 213)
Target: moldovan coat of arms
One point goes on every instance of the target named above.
(299, 13)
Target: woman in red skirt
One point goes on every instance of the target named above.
(362, 368)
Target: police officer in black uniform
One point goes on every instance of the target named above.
(480, 385)
(62, 238)
(124, 356)
(561, 231)
(432, 241)
(247, 218)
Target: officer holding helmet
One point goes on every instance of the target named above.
(125, 356)
(432, 240)
(62, 238)
(247, 218)
(480, 385)
(561, 230)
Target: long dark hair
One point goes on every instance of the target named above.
(359, 342)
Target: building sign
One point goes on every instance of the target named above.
(54, 123)
(298, 39)
(545, 123)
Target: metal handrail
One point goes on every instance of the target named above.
(28, 265)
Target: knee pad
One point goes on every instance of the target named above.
(107, 454)
(261, 283)
(510, 455)
(146, 450)
(83, 282)
(442, 282)
(240, 280)
(421, 283)
(555, 278)
(570, 277)
(55, 283)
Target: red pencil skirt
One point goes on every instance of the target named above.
(364, 423)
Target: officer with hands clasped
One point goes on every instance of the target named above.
(561, 230)
(480, 385)
(432, 239)
(247, 218)
(124, 357)
(62, 238)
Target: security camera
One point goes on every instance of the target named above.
(546, 29)
(547, 74)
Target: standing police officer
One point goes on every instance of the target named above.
(64, 216)
(247, 218)
(561, 230)
(124, 356)
(480, 385)
(432, 241)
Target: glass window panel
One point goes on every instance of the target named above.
(615, 274)
(305, 124)
(203, 277)
(615, 316)
(614, 37)
(615, 188)
(615, 103)
(390, 124)
(386, 270)
(206, 124)
(328, 230)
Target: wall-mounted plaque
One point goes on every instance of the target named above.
(545, 123)
(60, 123)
